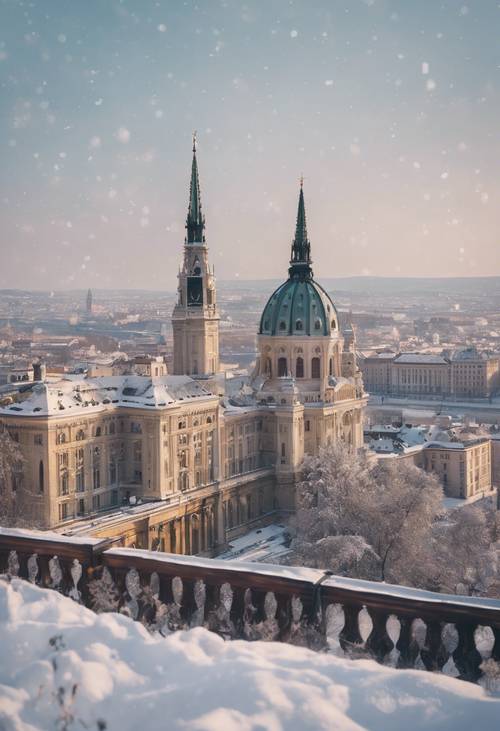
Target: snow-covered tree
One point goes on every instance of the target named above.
(385, 521)
(11, 487)
(467, 551)
(365, 520)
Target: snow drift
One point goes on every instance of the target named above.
(63, 666)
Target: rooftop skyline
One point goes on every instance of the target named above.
(388, 108)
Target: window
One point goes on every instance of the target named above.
(298, 325)
(330, 367)
(299, 368)
(307, 426)
(112, 472)
(315, 368)
(81, 507)
(282, 325)
(40, 477)
(80, 481)
(61, 438)
(38, 439)
(114, 497)
(283, 453)
(282, 367)
(98, 431)
(63, 511)
(268, 367)
(135, 427)
(317, 324)
(64, 488)
(112, 428)
(96, 502)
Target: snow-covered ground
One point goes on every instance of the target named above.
(64, 667)
(261, 544)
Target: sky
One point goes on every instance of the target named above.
(390, 110)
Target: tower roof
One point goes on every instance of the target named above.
(195, 222)
(300, 306)
(300, 261)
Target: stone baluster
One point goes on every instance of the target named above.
(434, 654)
(466, 656)
(379, 644)
(350, 638)
(407, 645)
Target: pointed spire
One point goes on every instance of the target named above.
(195, 222)
(300, 262)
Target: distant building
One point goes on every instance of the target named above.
(464, 373)
(464, 467)
(89, 302)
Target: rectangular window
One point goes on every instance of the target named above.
(38, 439)
(63, 511)
(96, 502)
(81, 507)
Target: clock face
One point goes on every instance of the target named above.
(195, 291)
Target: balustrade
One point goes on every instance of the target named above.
(396, 625)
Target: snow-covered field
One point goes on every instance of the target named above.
(63, 668)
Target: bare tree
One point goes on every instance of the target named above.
(18, 506)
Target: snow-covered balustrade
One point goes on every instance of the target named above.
(397, 625)
(51, 559)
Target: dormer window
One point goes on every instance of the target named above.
(298, 325)
(282, 325)
(317, 324)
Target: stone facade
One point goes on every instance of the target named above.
(465, 373)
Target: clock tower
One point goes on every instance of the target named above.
(195, 319)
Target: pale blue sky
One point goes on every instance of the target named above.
(390, 109)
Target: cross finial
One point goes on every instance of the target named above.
(194, 141)
(301, 180)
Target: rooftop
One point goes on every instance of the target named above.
(74, 394)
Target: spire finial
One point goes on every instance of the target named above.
(300, 262)
(195, 222)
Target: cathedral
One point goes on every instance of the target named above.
(176, 462)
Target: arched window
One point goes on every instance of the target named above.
(40, 477)
(298, 325)
(317, 324)
(334, 324)
(61, 438)
(80, 435)
(282, 367)
(98, 431)
(282, 325)
(330, 367)
(315, 368)
(299, 367)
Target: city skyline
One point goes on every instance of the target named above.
(388, 110)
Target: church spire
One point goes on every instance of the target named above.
(195, 222)
(300, 262)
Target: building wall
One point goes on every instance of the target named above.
(463, 472)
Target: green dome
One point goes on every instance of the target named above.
(299, 307)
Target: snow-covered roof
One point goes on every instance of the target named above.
(73, 394)
(421, 359)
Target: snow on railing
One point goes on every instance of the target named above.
(396, 625)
